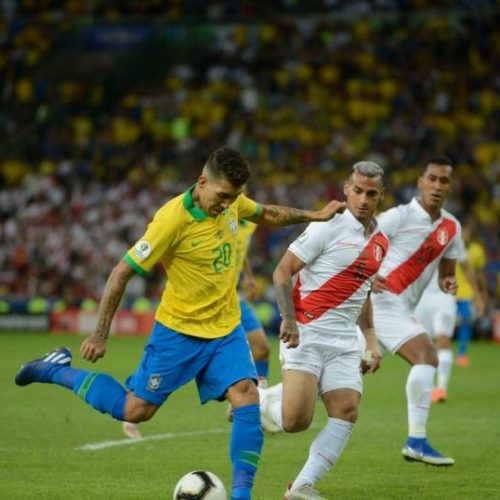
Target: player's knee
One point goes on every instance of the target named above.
(431, 357)
(243, 393)
(348, 413)
(296, 423)
(139, 411)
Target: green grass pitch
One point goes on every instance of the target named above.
(43, 428)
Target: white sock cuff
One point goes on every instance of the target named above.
(422, 371)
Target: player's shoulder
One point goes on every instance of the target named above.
(449, 216)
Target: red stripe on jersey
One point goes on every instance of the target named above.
(340, 287)
(405, 274)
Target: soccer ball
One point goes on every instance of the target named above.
(200, 485)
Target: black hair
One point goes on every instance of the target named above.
(229, 164)
(438, 160)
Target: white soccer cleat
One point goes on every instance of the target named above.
(304, 492)
(131, 430)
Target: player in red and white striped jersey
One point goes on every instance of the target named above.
(423, 237)
(335, 264)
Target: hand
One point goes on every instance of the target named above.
(289, 333)
(448, 285)
(330, 210)
(371, 362)
(379, 284)
(93, 348)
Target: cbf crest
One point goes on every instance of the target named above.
(154, 382)
(233, 225)
(442, 237)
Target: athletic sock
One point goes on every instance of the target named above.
(445, 357)
(324, 452)
(418, 394)
(273, 409)
(99, 390)
(262, 368)
(464, 336)
(245, 449)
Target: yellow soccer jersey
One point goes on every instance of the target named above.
(198, 253)
(243, 237)
(476, 257)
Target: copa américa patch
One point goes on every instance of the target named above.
(142, 249)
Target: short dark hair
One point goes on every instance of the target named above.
(438, 160)
(229, 164)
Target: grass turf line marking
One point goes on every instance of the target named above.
(155, 437)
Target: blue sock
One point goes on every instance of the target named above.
(464, 336)
(262, 368)
(245, 449)
(99, 390)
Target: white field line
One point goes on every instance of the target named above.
(155, 437)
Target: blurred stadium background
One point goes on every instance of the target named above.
(107, 109)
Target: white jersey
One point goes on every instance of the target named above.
(341, 264)
(416, 246)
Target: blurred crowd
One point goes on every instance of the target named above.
(303, 97)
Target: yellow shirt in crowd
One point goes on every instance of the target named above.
(476, 256)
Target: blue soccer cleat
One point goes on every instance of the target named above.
(419, 450)
(43, 368)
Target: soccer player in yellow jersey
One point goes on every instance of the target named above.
(197, 333)
(471, 289)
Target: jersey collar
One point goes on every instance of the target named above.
(358, 226)
(196, 212)
(415, 202)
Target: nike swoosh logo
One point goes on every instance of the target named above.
(195, 243)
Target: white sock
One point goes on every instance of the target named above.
(445, 357)
(324, 451)
(418, 394)
(271, 401)
(276, 390)
(274, 407)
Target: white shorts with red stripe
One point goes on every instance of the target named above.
(437, 311)
(335, 364)
(394, 321)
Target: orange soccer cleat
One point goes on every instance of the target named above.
(463, 361)
(439, 396)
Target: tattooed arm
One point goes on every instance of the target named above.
(276, 215)
(282, 276)
(94, 347)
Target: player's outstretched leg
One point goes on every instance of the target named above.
(99, 390)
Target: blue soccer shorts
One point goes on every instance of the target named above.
(172, 359)
(249, 319)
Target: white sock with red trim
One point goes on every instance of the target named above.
(324, 451)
